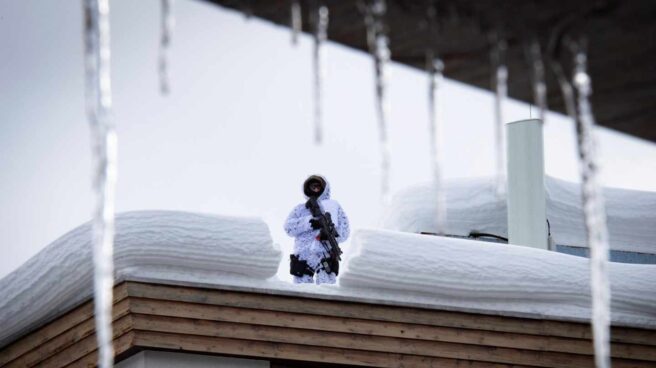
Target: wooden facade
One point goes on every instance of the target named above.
(292, 331)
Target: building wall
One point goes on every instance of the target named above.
(615, 255)
(162, 359)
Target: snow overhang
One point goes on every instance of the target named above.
(385, 269)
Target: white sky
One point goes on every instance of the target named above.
(235, 137)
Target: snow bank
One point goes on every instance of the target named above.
(164, 243)
(472, 205)
(475, 275)
(382, 267)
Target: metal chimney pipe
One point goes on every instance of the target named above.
(527, 214)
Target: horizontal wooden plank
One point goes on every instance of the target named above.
(55, 328)
(66, 339)
(389, 329)
(362, 342)
(385, 313)
(121, 345)
(271, 350)
(85, 346)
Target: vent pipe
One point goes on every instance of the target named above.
(527, 214)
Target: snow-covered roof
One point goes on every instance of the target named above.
(166, 244)
(499, 278)
(383, 267)
(472, 205)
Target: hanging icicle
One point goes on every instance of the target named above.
(320, 35)
(246, 9)
(296, 21)
(374, 17)
(539, 84)
(436, 77)
(435, 69)
(167, 24)
(99, 102)
(566, 89)
(594, 212)
(500, 86)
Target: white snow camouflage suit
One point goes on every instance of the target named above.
(306, 246)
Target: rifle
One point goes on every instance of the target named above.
(328, 233)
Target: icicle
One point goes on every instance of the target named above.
(167, 24)
(379, 47)
(500, 86)
(435, 68)
(594, 212)
(296, 21)
(539, 85)
(99, 101)
(247, 9)
(566, 89)
(320, 35)
(436, 76)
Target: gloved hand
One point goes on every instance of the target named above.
(316, 225)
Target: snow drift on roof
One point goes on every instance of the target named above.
(478, 275)
(472, 205)
(381, 267)
(175, 243)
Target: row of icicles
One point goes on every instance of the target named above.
(576, 93)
